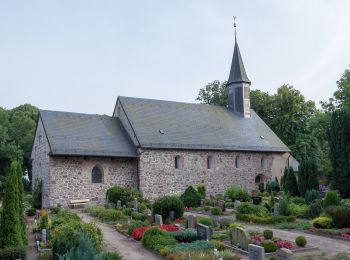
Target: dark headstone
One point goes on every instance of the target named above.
(172, 215)
(221, 204)
(203, 232)
(256, 200)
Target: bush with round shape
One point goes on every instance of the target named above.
(163, 205)
(315, 208)
(340, 216)
(269, 246)
(312, 195)
(238, 193)
(125, 195)
(191, 198)
(331, 199)
(216, 211)
(201, 190)
(248, 208)
(268, 234)
(322, 222)
(300, 241)
(273, 186)
(205, 221)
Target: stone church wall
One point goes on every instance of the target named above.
(70, 177)
(158, 175)
(41, 161)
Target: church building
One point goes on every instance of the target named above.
(160, 147)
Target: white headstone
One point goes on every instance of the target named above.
(236, 204)
(256, 252)
(158, 219)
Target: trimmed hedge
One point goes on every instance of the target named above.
(264, 220)
(13, 253)
(163, 205)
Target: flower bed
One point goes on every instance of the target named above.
(137, 233)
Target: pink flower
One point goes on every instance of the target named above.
(284, 244)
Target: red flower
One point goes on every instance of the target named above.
(345, 235)
(169, 228)
(137, 233)
(284, 244)
(180, 220)
(256, 239)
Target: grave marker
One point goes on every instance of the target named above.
(236, 204)
(284, 254)
(191, 221)
(172, 215)
(256, 252)
(221, 205)
(203, 232)
(240, 238)
(43, 235)
(119, 204)
(158, 219)
(276, 209)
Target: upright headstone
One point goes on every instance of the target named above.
(158, 219)
(203, 232)
(191, 221)
(150, 218)
(221, 204)
(172, 215)
(119, 204)
(256, 252)
(236, 204)
(43, 235)
(276, 209)
(202, 203)
(240, 238)
(136, 204)
(284, 254)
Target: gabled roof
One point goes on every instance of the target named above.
(86, 135)
(237, 72)
(175, 125)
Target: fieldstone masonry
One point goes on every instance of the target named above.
(159, 177)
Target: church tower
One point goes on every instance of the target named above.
(238, 85)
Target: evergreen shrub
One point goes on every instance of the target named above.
(300, 241)
(300, 211)
(340, 216)
(37, 193)
(264, 220)
(268, 234)
(155, 239)
(194, 246)
(272, 186)
(163, 205)
(191, 198)
(185, 236)
(138, 216)
(269, 246)
(201, 190)
(13, 253)
(261, 187)
(125, 195)
(238, 193)
(284, 209)
(322, 222)
(205, 221)
(216, 211)
(315, 208)
(248, 208)
(312, 195)
(331, 199)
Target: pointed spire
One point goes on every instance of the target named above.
(237, 73)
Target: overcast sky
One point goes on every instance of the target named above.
(80, 56)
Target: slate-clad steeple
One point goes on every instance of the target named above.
(238, 84)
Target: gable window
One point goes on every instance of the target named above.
(238, 162)
(178, 162)
(97, 175)
(263, 162)
(210, 162)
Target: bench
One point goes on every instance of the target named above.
(81, 202)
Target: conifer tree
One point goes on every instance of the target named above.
(19, 174)
(10, 229)
(308, 176)
(290, 183)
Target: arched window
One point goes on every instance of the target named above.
(97, 175)
(258, 179)
(238, 162)
(263, 162)
(210, 162)
(178, 162)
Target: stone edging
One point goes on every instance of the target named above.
(326, 235)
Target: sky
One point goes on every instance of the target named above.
(79, 56)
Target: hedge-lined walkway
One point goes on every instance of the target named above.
(114, 241)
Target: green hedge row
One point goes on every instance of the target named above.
(264, 220)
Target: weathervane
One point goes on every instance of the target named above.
(234, 24)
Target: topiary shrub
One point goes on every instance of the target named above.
(312, 195)
(331, 199)
(322, 222)
(268, 234)
(340, 216)
(247, 208)
(205, 221)
(269, 246)
(273, 186)
(201, 190)
(315, 209)
(125, 195)
(216, 211)
(191, 198)
(300, 241)
(238, 193)
(163, 205)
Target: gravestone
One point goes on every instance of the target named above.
(172, 215)
(284, 254)
(256, 252)
(119, 204)
(202, 203)
(150, 218)
(43, 235)
(276, 209)
(203, 232)
(158, 219)
(257, 200)
(191, 221)
(136, 204)
(221, 205)
(240, 238)
(236, 204)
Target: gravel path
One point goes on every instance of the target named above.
(114, 241)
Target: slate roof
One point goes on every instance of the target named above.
(237, 72)
(197, 126)
(87, 135)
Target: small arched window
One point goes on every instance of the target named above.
(178, 162)
(97, 175)
(263, 162)
(238, 162)
(210, 162)
(258, 179)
